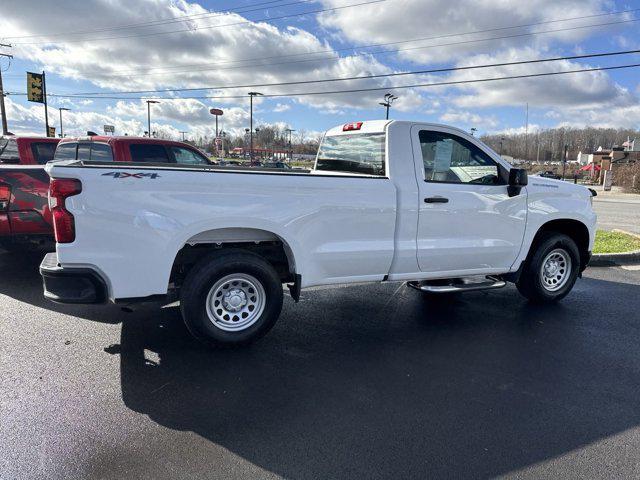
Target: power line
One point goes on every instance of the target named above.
(182, 18)
(383, 52)
(361, 90)
(208, 27)
(154, 23)
(366, 77)
(457, 34)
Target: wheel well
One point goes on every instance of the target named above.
(273, 251)
(573, 229)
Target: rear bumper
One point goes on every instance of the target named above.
(71, 285)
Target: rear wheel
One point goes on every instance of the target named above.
(231, 298)
(551, 270)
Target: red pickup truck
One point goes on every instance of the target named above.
(25, 218)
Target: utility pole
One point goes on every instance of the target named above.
(526, 133)
(3, 112)
(388, 100)
(66, 110)
(149, 102)
(44, 96)
(290, 130)
(501, 142)
(564, 159)
(251, 95)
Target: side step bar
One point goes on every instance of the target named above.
(466, 284)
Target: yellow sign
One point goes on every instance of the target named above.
(34, 87)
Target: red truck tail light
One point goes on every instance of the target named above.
(348, 127)
(63, 221)
(5, 197)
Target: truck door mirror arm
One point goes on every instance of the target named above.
(517, 179)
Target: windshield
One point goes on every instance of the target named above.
(356, 153)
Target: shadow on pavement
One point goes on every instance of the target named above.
(20, 279)
(377, 382)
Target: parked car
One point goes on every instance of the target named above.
(24, 214)
(388, 201)
(282, 165)
(129, 149)
(25, 218)
(549, 174)
(18, 150)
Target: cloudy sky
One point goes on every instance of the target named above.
(92, 49)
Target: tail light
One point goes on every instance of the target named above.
(5, 197)
(63, 221)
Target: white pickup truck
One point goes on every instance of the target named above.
(387, 201)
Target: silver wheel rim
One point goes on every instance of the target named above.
(555, 270)
(235, 302)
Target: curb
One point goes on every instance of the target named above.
(615, 259)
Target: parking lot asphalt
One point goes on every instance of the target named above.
(618, 213)
(369, 381)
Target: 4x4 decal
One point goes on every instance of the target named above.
(131, 175)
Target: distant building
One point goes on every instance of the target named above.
(586, 158)
(631, 145)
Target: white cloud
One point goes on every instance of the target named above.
(399, 20)
(281, 107)
(584, 89)
(469, 119)
(249, 53)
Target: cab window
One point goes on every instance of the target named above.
(43, 151)
(65, 151)
(451, 159)
(101, 152)
(148, 153)
(9, 150)
(353, 153)
(187, 156)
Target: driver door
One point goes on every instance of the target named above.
(467, 222)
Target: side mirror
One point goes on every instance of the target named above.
(517, 179)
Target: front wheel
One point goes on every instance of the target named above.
(231, 298)
(551, 270)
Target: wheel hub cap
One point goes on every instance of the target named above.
(556, 270)
(235, 302)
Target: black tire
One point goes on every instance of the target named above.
(205, 323)
(532, 282)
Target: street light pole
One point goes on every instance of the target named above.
(66, 110)
(473, 130)
(388, 100)
(149, 102)
(3, 112)
(251, 95)
(182, 135)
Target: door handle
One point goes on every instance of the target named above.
(436, 200)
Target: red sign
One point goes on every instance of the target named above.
(215, 111)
